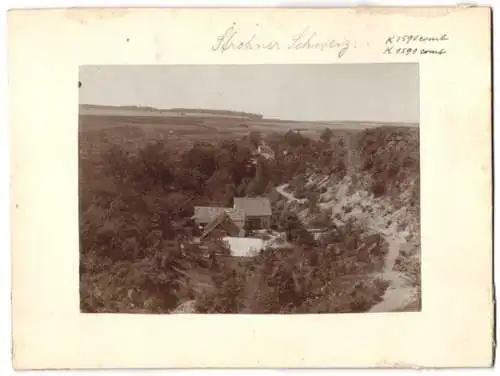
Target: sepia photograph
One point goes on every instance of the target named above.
(256, 189)
(208, 199)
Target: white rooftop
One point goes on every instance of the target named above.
(244, 247)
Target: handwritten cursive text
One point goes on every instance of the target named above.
(308, 40)
(412, 38)
(413, 44)
(234, 39)
(231, 39)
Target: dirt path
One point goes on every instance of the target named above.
(289, 196)
(398, 294)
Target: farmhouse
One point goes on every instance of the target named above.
(230, 224)
(257, 211)
(247, 213)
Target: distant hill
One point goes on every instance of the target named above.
(219, 112)
(116, 108)
(104, 110)
(183, 111)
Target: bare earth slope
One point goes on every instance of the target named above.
(393, 214)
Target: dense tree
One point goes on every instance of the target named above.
(326, 135)
(255, 138)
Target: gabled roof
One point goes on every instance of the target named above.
(217, 221)
(207, 214)
(253, 206)
(236, 215)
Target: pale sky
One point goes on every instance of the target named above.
(325, 92)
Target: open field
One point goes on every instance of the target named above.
(102, 126)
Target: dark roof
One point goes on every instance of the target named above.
(236, 215)
(217, 221)
(253, 206)
(207, 214)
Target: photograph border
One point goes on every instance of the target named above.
(455, 141)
